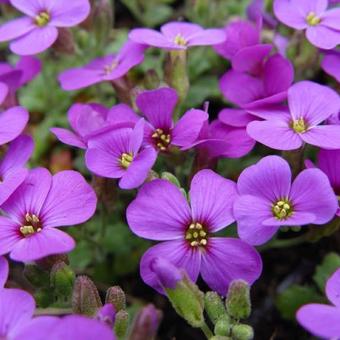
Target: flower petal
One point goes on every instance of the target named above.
(324, 136)
(323, 37)
(159, 212)
(15, 28)
(206, 37)
(332, 288)
(228, 259)
(331, 18)
(329, 163)
(11, 180)
(235, 117)
(298, 218)
(287, 13)
(49, 241)
(311, 192)
(34, 42)
(78, 78)
(68, 137)
(3, 92)
(9, 235)
(179, 253)
(212, 198)
(30, 8)
(153, 38)
(331, 65)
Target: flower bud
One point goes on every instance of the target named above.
(242, 332)
(65, 42)
(238, 300)
(171, 178)
(48, 262)
(107, 314)
(146, 323)
(116, 296)
(62, 279)
(102, 21)
(214, 306)
(85, 299)
(223, 326)
(121, 323)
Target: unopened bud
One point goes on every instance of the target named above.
(102, 21)
(242, 332)
(222, 326)
(214, 306)
(121, 323)
(116, 296)
(65, 42)
(85, 299)
(62, 279)
(171, 178)
(238, 300)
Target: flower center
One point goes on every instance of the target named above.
(179, 40)
(31, 225)
(110, 67)
(196, 235)
(162, 139)
(299, 125)
(282, 209)
(312, 19)
(42, 19)
(126, 160)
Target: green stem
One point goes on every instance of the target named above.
(206, 330)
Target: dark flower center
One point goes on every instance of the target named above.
(282, 209)
(196, 235)
(31, 225)
(126, 160)
(162, 139)
(42, 19)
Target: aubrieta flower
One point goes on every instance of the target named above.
(108, 68)
(177, 36)
(331, 64)
(38, 29)
(12, 123)
(89, 120)
(161, 212)
(40, 205)
(320, 319)
(12, 166)
(121, 154)
(161, 132)
(268, 199)
(256, 11)
(322, 26)
(309, 104)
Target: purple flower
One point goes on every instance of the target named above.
(268, 200)
(106, 314)
(40, 205)
(161, 212)
(331, 64)
(322, 26)
(323, 320)
(287, 129)
(12, 166)
(160, 131)
(270, 87)
(108, 68)
(120, 154)
(89, 120)
(256, 11)
(12, 123)
(329, 162)
(37, 30)
(177, 36)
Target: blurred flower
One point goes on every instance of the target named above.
(106, 314)
(309, 104)
(161, 212)
(12, 166)
(331, 64)
(160, 130)
(268, 200)
(256, 11)
(39, 205)
(322, 26)
(106, 68)
(37, 30)
(121, 154)
(177, 36)
(89, 120)
(323, 320)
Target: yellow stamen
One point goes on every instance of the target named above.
(42, 19)
(299, 125)
(312, 19)
(179, 40)
(282, 209)
(126, 160)
(196, 235)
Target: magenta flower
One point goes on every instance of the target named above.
(40, 205)
(121, 154)
(89, 120)
(12, 123)
(268, 200)
(106, 68)
(309, 105)
(331, 64)
(38, 29)
(161, 212)
(256, 11)
(322, 26)
(12, 166)
(160, 131)
(270, 87)
(323, 320)
(177, 36)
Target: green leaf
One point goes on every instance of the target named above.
(330, 263)
(291, 299)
